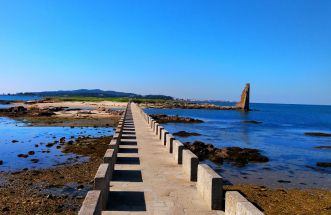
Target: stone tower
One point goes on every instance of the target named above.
(244, 100)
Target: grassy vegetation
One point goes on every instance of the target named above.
(99, 99)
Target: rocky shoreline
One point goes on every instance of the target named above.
(235, 155)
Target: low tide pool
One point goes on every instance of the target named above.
(18, 138)
(280, 137)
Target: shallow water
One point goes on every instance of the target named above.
(28, 137)
(18, 97)
(280, 136)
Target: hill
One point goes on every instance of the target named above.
(93, 93)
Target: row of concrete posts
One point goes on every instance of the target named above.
(208, 182)
(96, 200)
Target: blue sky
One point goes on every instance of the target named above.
(189, 49)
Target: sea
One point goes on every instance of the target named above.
(279, 136)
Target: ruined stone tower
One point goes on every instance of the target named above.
(244, 101)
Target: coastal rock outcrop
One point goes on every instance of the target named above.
(162, 118)
(250, 122)
(323, 164)
(317, 134)
(239, 156)
(186, 134)
(244, 100)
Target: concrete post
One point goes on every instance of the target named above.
(178, 151)
(190, 164)
(92, 204)
(210, 187)
(169, 142)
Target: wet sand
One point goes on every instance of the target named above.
(286, 201)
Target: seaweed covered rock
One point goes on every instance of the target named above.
(162, 118)
(239, 156)
(186, 134)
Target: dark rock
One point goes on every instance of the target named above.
(14, 141)
(22, 155)
(239, 156)
(36, 145)
(18, 110)
(46, 113)
(186, 134)
(79, 187)
(54, 109)
(62, 140)
(323, 164)
(50, 196)
(323, 147)
(5, 209)
(34, 160)
(49, 145)
(162, 118)
(251, 122)
(317, 134)
(1, 162)
(31, 152)
(70, 142)
(284, 181)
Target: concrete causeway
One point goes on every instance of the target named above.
(140, 176)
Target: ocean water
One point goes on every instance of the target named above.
(280, 137)
(28, 137)
(18, 97)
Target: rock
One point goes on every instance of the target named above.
(323, 164)
(70, 142)
(239, 156)
(49, 145)
(162, 118)
(79, 187)
(22, 156)
(244, 100)
(34, 160)
(251, 122)
(14, 141)
(1, 162)
(317, 134)
(5, 209)
(186, 134)
(323, 147)
(46, 113)
(50, 196)
(284, 181)
(18, 110)
(31, 152)
(62, 140)
(36, 145)
(54, 109)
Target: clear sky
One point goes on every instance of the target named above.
(205, 49)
